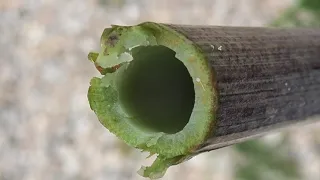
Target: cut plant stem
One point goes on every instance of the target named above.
(178, 90)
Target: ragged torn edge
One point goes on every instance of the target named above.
(117, 44)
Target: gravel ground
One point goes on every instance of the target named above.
(47, 130)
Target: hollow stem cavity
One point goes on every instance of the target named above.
(157, 89)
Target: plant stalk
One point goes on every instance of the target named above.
(234, 83)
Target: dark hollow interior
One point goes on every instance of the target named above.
(157, 90)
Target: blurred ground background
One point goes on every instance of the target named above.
(47, 130)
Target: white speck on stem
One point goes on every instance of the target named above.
(286, 84)
(213, 48)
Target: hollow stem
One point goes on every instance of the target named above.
(155, 93)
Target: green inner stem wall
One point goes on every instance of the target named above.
(157, 90)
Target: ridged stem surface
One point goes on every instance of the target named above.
(266, 77)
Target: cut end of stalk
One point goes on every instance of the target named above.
(156, 92)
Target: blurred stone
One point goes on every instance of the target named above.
(47, 130)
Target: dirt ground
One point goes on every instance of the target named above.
(47, 130)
